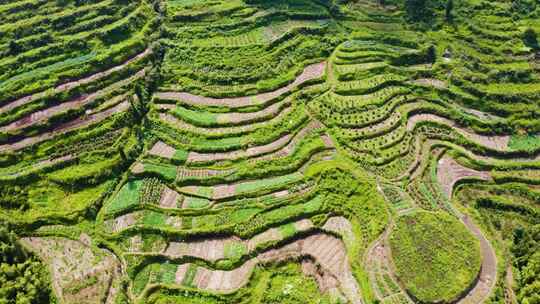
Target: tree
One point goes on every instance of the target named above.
(530, 38)
(13, 197)
(122, 154)
(417, 10)
(431, 54)
(23, 278)
(13, 48)
(449, 9)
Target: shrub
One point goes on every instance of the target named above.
(23, 278)
(530, 38)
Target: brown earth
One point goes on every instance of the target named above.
(328, 254)
(180, 124)
(499, 143)
(161, 149)
(66, 86)
(194, 157)
(449, 172)
(432, 82)
(310, 72)
(43, 115)
(80, 122)
(488, 271)
(169, 198)
(72, 263)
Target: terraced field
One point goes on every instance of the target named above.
(289, 151)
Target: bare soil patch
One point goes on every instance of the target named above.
(449, 172)
(169, 198)
(161, 149)
(330, 266)
(79, 273)
(439, 84)
(488, 272)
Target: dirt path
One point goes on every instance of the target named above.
(376, 259)
(488, 273)
(311, 72)
(382, 279)
(510, 295)
(448, 173)
(377, 263)
(67, 86)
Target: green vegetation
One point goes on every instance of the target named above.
(23, 278)
(527, 143)
(288, 286)
(525, 248)
(509, 211)
(436, 257)
(283, 284)
(126, 197)
(212, 151)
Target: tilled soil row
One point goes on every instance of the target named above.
(67, 86)
(449, 172)
(328, 253)
(310, 72)
(289, 148)
(196, 157)
(80, 122)
(240, 118)
(436, 83)
(161, 149)
(180, 124)
(42, 115)
(184, 173)
(498, 143)
(40, 165)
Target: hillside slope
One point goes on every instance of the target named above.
(288, 151)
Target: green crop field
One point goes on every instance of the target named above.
(269, 151)
(435, 256)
